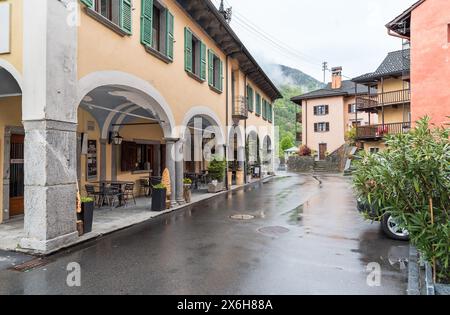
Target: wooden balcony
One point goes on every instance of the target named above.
(378, 132)
(240, 108)
(375, 101)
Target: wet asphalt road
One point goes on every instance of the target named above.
(305, 238)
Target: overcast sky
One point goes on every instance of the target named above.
(347, 33)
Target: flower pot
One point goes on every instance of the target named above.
(240, 178)
(230, 178)
(187, 193)
(87, 216)
(159, 200)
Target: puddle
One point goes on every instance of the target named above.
(296, 215)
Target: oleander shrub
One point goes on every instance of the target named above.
(411, 180)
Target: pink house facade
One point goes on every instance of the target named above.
(426, 25)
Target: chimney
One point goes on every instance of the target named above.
(336, 78)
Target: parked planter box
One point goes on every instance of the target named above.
(159, 200)
(215, 187)
(87, 216)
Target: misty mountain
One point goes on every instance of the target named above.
(291, 82)
(284, 76)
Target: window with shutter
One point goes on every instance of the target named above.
(126, 19)
(258, 105)
(170, 35)
(188, 49)
(250, 98)
(264, 110)
(316, 128)
(215, 71)
(202, 61)
(328, 127)
(88, 3)
(147, 22)
(327, 109)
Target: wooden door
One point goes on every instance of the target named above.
(16, 179)
(322, 151)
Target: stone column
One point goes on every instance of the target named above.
(50, 185)
(49, 114)
(170, 164)
(179, 165)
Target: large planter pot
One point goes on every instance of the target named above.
(230, 178)
(87, 216)
(240, 178)
(187, 193)
(215, 187)
(159, 200)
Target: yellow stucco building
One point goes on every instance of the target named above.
(119, 90)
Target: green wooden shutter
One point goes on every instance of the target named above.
(170, 32)
(220, 87)
(125, 15)
(88, 3)
(211, 68)
(146, 22)
(258, 104)
(202, 61)
(188, 49)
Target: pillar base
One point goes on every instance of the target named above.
(181, 202)
(46, 246)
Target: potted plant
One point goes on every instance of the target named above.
(216, 172)
(159, 197)
(87, 213)
(187, 189)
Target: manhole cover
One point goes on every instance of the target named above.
(242, 217)
(273, 230)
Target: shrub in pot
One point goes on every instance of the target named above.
(159, 197)
(87, 213)
(187, 189)
(216, 172)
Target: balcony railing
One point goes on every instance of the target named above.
(380, 131)
(365, 102)
(240, 108)
(298, 117)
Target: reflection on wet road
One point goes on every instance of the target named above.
(290, 236)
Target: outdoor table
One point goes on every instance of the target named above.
(120, 184)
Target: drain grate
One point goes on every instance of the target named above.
(31, 264)
(242, 217)
(273, 230)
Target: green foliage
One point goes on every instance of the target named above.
(216, 170)
(87, 199)
(287, 142)
(159, 187)
(350, 136)
(411, 180)
(187, 181)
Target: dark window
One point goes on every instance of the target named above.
(321, 110)
(352, 108)
(136, 157)
(196, 56)
(374, 150)
(156, 28)
(109, 9)
(322, 127)
(448, 33)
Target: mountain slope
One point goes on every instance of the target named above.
(291, 82)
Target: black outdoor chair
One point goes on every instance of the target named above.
(128, 193)
(145, 187)
(93, 193)
(111, 195)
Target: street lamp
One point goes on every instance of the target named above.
(115, 138)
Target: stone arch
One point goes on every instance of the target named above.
(136, 90)
(207, 114)
(13, 71)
